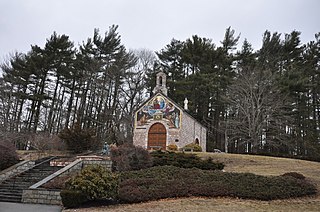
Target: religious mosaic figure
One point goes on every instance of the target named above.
(159, 108)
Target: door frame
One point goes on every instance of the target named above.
(165, 135)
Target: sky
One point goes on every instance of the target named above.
(152, 24)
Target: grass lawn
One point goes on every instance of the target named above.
(236, 163)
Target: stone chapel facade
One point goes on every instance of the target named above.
(160, 122)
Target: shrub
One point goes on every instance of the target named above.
(172, 147)
(95, 182)
(268, 188)
(169, 182)
(78, 139)
(184, 160)
(129, 157)
(8, 155)
(72, 198)
(192, 147)
(294, 175)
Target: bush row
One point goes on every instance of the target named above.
(192, 147)
(169, 181)
(128, 157)
(97, 183)
(184, 160)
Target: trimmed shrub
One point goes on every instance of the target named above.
(172, 147)
(294, 175)
(129, 157)
(8, 155)
(251, 186)
(169, 182)
(192, 147)
(184, 160)
(95, 182)
(72, 199)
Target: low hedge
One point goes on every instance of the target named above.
(128, 157)
(295, 175)
(170, 181)
(172, 147)
(72, 198)
(192, 147)
(184, 160)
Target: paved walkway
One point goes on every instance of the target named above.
(16, 207)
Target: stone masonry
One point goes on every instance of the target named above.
(16, 169)
(180, 127)
(190, 131)
(37, 195)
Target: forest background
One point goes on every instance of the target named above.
(252, 101)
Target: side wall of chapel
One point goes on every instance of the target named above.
(192, 130)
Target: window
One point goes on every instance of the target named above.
(160, 81)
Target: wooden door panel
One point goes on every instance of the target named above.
(157, 137)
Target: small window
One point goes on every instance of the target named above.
(177, 140)
(160, 81)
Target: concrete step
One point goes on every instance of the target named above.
(5, 183)
(17, 186)
(11, 189)
(10, 199)
(11, 193)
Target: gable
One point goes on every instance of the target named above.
(159, 107)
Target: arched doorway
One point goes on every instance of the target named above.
(157, 137)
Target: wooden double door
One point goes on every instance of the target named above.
(157, 137)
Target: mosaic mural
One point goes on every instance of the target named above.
(159, 108)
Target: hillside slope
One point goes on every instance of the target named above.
(237, 163)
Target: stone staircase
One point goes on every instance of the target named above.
(12, 188)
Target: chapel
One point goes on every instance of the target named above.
(159, 121)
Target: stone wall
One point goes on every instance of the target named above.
(41, 196)
(105, 163)
(190, 131)
(15, 170)
(38, 195)
(139, 137)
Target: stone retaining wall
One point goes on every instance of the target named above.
(105, 163)
(41, 196)
(16, 169)
(38, 195)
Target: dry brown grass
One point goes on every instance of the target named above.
(263, 165)
(236, 163)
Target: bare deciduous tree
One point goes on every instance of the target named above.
(258, 114)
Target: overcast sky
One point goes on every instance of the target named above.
(151, 24)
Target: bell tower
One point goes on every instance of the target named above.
(161, 81)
